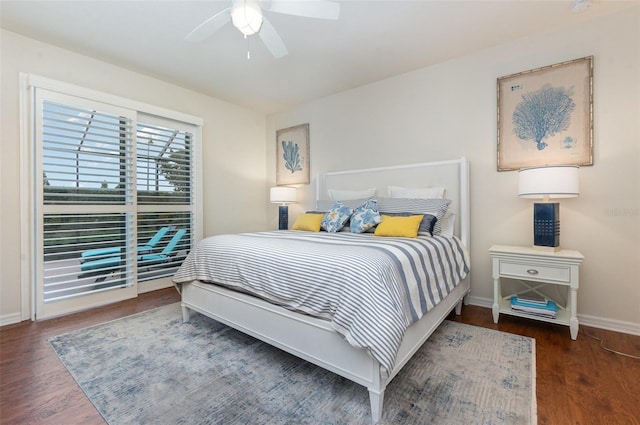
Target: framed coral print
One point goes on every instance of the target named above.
(292, 155)
(545, 116)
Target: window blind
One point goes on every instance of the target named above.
(87, 158)
(114, 203)
(86, 155)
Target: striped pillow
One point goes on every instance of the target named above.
(435, 207)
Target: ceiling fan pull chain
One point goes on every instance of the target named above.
(248, 49)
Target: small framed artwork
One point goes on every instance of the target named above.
(292, 155)
(545, 116)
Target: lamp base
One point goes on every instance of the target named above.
(283, 217)
(546, 225)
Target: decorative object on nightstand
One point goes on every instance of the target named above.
(544, 308)
(535, 269)
(551, 182)
(283, 195)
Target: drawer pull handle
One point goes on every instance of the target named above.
(532, 271)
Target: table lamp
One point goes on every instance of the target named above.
(548, 182)
(283, 195)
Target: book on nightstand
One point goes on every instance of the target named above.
(546, 308)
(532, 298)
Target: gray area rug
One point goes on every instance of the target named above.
(150, 368)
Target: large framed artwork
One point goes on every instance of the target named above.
(292, 155)
(545, 116)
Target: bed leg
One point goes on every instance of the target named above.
(376, 399)
(186, 314)
(459, 308)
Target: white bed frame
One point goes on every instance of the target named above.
(314, 339)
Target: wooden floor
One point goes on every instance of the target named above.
(577, 381)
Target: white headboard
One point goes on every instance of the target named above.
(451, 174)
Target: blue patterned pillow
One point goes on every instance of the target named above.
(336, 217)
(365, 216)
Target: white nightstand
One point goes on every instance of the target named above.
(537, 268)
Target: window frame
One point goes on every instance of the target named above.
(28, 85)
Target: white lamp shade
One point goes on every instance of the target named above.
(283, 195)
(559, 181)
(246, 16)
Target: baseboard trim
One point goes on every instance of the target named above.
(586, 320)
(480, 302)
(10, 319)
(609, 324)
(154, 285)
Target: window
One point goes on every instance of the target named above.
(113, 200)
(164, 196)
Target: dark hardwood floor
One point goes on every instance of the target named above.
(577, 381)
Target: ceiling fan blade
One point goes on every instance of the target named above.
(272, 40)
(310, 9)
(210, 26)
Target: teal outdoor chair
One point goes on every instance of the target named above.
(98, 266)
(104, 253)
(165, 254)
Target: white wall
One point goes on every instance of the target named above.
(448, 110)
(232, 144)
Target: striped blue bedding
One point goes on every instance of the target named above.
(370, 288)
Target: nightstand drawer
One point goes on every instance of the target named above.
(533, 271)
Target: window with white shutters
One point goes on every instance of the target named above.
(87, 199)
(113, 200)
(164, 197)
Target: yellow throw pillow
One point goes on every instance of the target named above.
(308, 222)
(406, 227)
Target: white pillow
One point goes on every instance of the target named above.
(448, 223)
(344, 195)
(326, 204)
(421, 192)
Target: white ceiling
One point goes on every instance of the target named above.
(372, 40)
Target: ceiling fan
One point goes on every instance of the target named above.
(247, 17)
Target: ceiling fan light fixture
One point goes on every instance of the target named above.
(246, 16)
